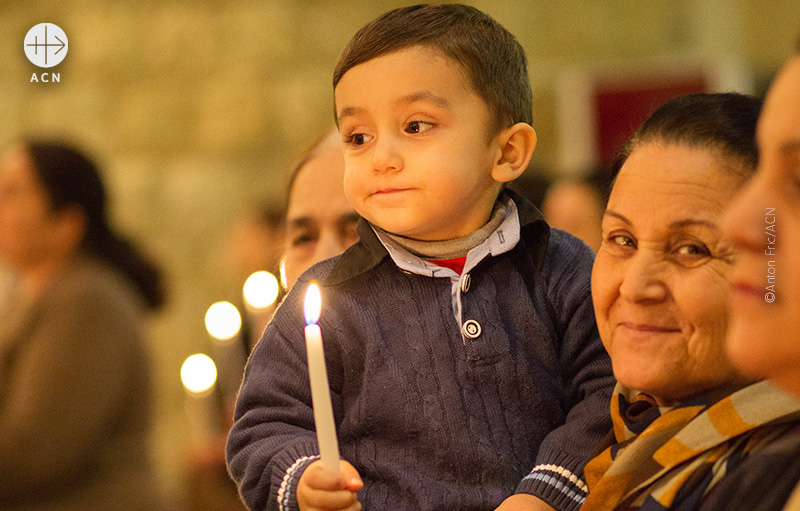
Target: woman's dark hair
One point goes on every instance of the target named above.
(724, 121)
(70, 179)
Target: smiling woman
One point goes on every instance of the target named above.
(659, 284)
(685, 419)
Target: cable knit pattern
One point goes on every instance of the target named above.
(432, 419)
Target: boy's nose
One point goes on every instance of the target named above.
(386, 155)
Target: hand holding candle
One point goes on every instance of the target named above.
(318, 377)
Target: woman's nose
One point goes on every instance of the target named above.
(643, 279)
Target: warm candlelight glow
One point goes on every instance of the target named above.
(261, 290)
(198, 374)
(318, 379)
(313, 304)
(282, 272)
(223, 321)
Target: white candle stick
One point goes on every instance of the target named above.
(318, 377)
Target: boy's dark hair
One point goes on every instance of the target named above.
(723, 121)
(490, 56)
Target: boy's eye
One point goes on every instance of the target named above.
(358, 139)
(418, 126)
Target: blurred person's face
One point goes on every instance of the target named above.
(764, 225)
(659, 279)
(27, 223)
(320, 223)
(577, 209)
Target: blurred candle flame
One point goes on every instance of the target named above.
(261, 289)
(223, 321)
(198, 374)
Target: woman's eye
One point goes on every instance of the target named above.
(622, 241)
(302, 239)
(691, 254)
(619, 245)
(692, 251)
(418, 126)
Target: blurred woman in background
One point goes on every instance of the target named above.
(320, 223)
(74, 369)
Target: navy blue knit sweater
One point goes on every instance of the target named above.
(431, 418)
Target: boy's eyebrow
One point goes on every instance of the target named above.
(347, 112)
(424, 95)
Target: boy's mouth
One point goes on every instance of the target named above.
(387, 191)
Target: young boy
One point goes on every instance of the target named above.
(462, 353)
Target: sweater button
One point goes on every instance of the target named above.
(471, 329)
(466, 280)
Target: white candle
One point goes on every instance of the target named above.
(318, 377)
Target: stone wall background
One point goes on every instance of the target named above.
(195, 110)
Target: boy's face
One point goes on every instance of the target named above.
(417, 155)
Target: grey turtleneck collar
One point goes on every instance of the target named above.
(453, 248)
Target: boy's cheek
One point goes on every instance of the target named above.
(352, 184)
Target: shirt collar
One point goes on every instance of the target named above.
(371, 249)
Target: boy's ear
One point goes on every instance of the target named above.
(517, 143)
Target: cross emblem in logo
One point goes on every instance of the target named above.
(46, 45)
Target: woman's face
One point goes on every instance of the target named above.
(764, 225)
(659, 280)
(26, 219)
(320, 223)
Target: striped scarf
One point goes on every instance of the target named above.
(669, 458)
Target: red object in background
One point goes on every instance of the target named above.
(622, 107)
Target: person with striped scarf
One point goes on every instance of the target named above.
(688, 425)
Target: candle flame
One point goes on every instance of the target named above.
(313, 303)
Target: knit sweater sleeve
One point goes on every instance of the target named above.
(273, 440)
(586, 376)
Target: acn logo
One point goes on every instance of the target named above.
(46, 45)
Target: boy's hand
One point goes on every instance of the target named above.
(524, 502)
(319, 490)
